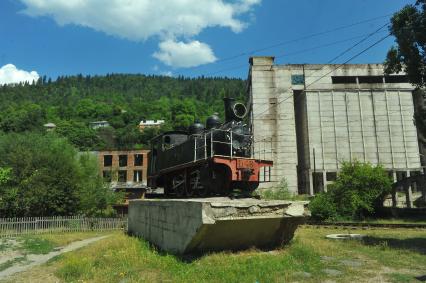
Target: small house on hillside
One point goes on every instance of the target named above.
(99, 124)
(150, 123)
(49, 127)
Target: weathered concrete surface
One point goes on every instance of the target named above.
(199, 225)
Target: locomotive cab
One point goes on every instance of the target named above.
(156, 156)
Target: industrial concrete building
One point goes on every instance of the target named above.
(310, 118)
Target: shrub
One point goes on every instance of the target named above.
(359, 190)
(279, 192)
(322, 207)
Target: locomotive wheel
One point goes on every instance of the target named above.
(215, 180)
(193, 183)
(179, 184)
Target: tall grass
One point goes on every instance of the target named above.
(280, 192)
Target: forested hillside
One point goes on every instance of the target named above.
(122, 100)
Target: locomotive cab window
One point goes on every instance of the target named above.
(167, 142)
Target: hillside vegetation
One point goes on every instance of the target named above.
(123, 100)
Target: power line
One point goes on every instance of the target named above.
(334, 69)
(302, 38)
(358, 43)
(289, 54)
(253, 51)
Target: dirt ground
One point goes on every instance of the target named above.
(14, 259)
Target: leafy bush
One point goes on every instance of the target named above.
(322, 207)
(48, 177)
(359, 189)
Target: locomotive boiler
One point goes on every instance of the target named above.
(210, 160)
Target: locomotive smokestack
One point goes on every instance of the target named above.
(234, 111)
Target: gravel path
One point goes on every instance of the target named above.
(34, 260)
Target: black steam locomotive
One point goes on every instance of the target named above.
(211, 160)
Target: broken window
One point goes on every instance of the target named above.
(137, 176)
(122, 160)
(343, 80)
(107, 160)
(396, 79)
(331, 176)
(138, 159)
(370, 79)
(107, 176)
(122, 176)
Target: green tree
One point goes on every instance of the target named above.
(409, 28)
(26, 117)
(359, 190)
(47, 177)
(79, 134)
(95, 196)
(71, 102)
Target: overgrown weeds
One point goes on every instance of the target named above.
(280, 192)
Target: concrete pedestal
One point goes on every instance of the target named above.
(199, 225)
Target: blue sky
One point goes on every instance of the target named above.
(183, 37)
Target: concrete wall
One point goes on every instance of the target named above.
(369, 122)
(273, 122)
(212, 224)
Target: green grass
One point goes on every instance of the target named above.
(44, 244)
(35, 245)
(385, 255)
(122, 257)
(138, 262)
(406, 220)
(9, 263)
(401, 278)
(4, 246)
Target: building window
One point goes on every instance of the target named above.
(122, 176)
(297, 80)
(137, 176)
(343, 80)
(122, 160)
(138, 159)
(370, 79)
(107, 160)
(396, 79)
(331, 176)
(107, 176)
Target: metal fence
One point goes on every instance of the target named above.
(10, 227)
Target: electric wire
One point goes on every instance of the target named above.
(250, 52)
(254, 51)
(291, 54)
(334, 69)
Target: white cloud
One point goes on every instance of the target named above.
(181, 54)
(140, 19)
(9, 74)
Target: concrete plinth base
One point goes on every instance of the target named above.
(199, 225)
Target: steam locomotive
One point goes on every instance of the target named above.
(211, 160)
